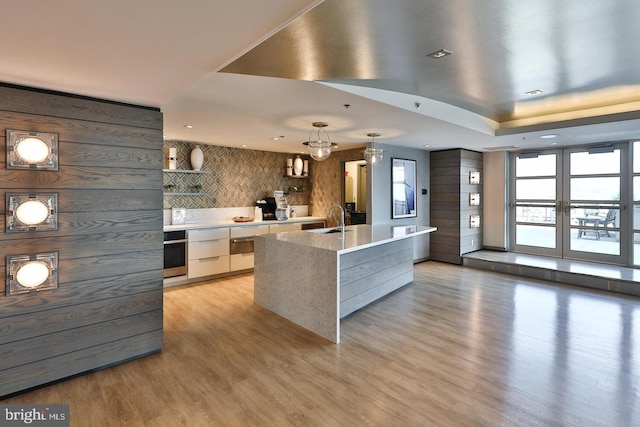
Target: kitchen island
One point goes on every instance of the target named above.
(314, 278)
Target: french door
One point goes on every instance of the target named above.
(571, 203)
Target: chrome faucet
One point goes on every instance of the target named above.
(341, 215)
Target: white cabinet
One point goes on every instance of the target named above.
(213, 251)
(242, 239)
(208, 252)
(249, 230)
(278, 228)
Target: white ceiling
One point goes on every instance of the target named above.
(168, 54)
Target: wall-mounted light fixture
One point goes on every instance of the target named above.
(31, 212)
(474, 177)
(31, 273)
(474, 221)
(474, 199)
(319, 148)
(32, 150)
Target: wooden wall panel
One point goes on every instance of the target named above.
(367, 275)
(52, 369)
(38, 324)
(108, 305)
(69, 293)
(51, 104)
(79, 176)
(87, 268)
(69, 131)
(74, 247)
(74, 337)
(449, 207)
(83, 223)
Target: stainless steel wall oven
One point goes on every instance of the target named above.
(175, 253)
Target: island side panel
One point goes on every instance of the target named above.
(299, 283)
(369, 274)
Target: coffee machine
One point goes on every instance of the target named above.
(281, 205)
(268, 206)
(274, 208)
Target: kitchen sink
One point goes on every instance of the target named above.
(334, 230)
(327, 231)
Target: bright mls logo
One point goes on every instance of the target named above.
(34, 415)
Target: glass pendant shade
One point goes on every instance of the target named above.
(319, 148)
(373, 154)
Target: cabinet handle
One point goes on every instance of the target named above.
(242, 240)
(207, 259)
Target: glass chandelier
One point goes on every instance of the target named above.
(319, 149)
(373, 154)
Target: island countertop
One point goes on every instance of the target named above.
(315, 279)
(356, 237)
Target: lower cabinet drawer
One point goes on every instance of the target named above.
(279, 228)
(208, 248)
(208, 266)
(241, 261)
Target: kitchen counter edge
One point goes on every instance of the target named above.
(222, 224)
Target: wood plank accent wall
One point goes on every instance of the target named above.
(108, 305)
(450, 209)
(369, 274)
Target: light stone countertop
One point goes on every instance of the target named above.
(355, 236)
(335, 274)
(230, 223)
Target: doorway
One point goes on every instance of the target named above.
(571, 203)
(355, 191)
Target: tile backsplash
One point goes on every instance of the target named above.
(238, 177)
(234, 177)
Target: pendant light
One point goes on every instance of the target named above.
(373, 154)
(319, 149)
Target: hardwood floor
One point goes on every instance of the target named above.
(457, 347)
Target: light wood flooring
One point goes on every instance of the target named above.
(458, 347)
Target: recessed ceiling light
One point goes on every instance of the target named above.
(549, 136)
(426, 146)
(439, 54)
(554, 143)
(244, 145)
(534, 92)
(189, 126)
(276, 138)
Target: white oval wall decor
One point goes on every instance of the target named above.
(297, 166)
(32, 274)
(32, 150)
(32, 212)
(197, 159)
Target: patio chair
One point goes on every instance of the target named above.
(600, 223)
(609, 219)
